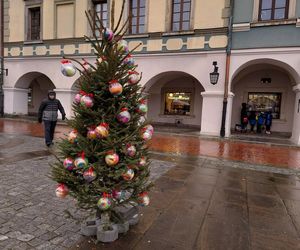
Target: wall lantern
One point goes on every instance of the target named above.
(214, 76)
(3, 70)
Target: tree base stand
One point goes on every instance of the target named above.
(107, 235)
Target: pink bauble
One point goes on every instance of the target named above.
(61, 191)
(133, 79)
(87, 101)
(147, 135)
(115, 88)
(108, 34)
(69, 163)
(130, 150)
(90, 175)
(124, 116)
(112, 159)
(77, 98)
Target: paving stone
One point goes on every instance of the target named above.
(3, 237)
(25, 237)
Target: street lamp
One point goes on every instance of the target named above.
(214, 76)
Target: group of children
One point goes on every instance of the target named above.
(255, 118)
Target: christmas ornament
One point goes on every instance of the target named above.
(87, 67)
(143, 199)
(129, 60)
(108, 34)
(87, 101)
(124, 116)
(102, 130)
(112, 159)
(119, 195)
(81, 161)
(90, 175)
(123, 46)
(77, 98)
(133, 77)
(67, 68)
(142, 108)
(61, 191)
(130, 150)
(92, 134)
(69, 163)
(128, 175)
(150, 128)
(72, 137)
(115, 87)
(104, 203)
(143, 161)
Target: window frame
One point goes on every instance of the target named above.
(286, 14)
(28, 29)
(181, 16)
(100, 2)
(175, 92)
(138, 17)
(279, 94)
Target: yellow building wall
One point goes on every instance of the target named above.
(81, 25)
(48, 19)
(17, 20)
(157, 10)
(208, 14)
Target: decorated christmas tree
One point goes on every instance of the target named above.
(103, 162)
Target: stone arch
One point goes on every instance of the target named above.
(35, 86)
(184, 108)
(248, 79)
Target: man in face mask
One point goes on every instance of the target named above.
(48, 113)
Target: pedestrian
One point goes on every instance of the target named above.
(244, 117)
(268, 122)
(252, 120)
(260, 122)
(48, 114)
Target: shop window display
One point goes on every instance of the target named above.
(264, 102)
(177, 103)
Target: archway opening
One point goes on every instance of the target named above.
(174, 100)
(265, 87)
(37, 85)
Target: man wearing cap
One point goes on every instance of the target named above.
(48, 113)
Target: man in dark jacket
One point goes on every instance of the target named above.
(48, 113)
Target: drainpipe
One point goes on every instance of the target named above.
(228, 54)
(1, 58)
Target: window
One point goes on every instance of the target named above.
(263, 102)
(181, 14)
(137, 12)
(177, 103)
(34, 24)
(273, 9)
(29, 96)
(101, 10)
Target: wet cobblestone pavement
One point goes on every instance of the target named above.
(268, 154)
(197, 202)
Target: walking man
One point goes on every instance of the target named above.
(48, 113)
